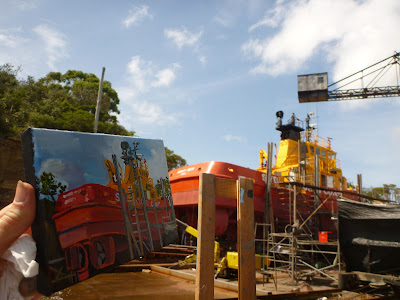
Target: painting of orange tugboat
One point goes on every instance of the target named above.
(103, 200)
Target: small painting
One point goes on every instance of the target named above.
(102, 200)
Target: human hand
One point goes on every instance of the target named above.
(15, 219)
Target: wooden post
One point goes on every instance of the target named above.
(245, 223)
(99, 96)
(268, 211)
(204, 288)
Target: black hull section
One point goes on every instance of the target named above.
(369, 237)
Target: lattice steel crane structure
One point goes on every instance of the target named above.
(314, 87)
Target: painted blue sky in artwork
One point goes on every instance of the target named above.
(76, 159)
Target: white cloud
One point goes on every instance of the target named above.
(152, 113)
(144, 74)
(26, 5)
(235, 138)
(166, 76)
(144, 79)
(12, 38)
(224, 19)
(272, 17)
(350, 34)
(183, 37)
(55, 44)
(203, 59)
(8, 40)
(136, 15)
(229, 12)
(47, 47)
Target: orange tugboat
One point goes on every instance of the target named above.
(303, 159)
(90, 219)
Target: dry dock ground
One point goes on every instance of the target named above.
(147, 279)
(148, 284)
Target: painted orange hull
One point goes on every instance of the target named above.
(91, 215)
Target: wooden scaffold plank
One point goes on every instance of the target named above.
(245, 222)
(204, 288)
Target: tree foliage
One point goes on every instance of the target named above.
(50, 187)
(56, 101)
(174, 160)
(162, 187)
(389, 192)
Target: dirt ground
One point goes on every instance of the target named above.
(147, 284)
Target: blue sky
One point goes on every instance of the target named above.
(208, 76)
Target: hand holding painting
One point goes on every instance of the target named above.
(15, 219)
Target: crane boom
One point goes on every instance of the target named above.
(374, 92)
(314, 87)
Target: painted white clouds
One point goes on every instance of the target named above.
(68, 172)
(352, 35)
(136, 15)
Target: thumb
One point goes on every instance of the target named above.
(16, 218)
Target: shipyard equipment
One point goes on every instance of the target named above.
(224, 266)
(314, 87)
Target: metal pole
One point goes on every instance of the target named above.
(99, 96)
(145, 213)
(294, 205)
(268, 210)
(158, 224)
(316, 197)
(359, 183)
(123, 207)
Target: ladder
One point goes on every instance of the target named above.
(136, 209)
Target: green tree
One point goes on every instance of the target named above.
(50, 187)
(389, 192)
(56, 101)
(174, 160)
(8, 86)
(162, 187)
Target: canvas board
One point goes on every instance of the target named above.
(102, 200)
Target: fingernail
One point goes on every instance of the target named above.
(20, 194)
(27, 286)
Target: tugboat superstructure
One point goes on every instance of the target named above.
(301, 153)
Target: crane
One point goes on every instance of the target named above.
(314, 87)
